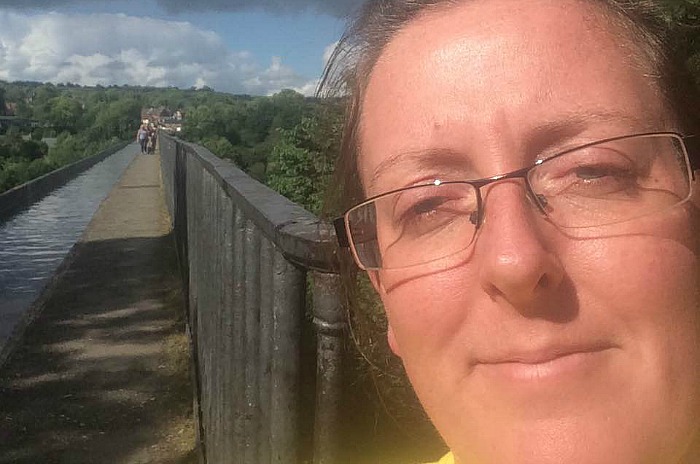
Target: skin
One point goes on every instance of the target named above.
(537, 345)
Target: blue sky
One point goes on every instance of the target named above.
(238, 46)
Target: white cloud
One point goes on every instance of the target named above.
(328, 52)
(119, 49)
(309, 88)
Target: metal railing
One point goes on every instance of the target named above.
(264, 394)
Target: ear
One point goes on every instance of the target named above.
(393, 344)
(376, 282)
(695, 195)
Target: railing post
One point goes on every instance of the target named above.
(288, 310)
(329, 320)
(266, 337)
(252, 343)
(238, 344)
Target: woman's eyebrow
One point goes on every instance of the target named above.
(420, 160)
(548, 134)
(543, 136)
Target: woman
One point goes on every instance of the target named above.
(142, 138)
(520, 190)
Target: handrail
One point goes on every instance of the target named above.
(302, 237)
(246, 253)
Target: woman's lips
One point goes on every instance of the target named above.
(540, 365)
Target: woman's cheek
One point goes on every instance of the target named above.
(427, 312)
(637, 278)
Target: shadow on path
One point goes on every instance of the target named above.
(102, 375)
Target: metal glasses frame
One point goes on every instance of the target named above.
(691, 145)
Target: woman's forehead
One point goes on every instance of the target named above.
(490, 71)
(499, 44)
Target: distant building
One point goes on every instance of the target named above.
(163, 118)
(155, 115)
(171, 125)
(10, 109)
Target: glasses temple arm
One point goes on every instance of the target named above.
(340, 232)
(692, 145)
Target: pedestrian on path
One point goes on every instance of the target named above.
(151, 145)
(142, 138)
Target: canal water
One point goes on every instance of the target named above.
(34, 242)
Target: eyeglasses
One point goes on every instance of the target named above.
(600, 183)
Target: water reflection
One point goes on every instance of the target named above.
(34, 242)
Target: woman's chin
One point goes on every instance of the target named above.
(565, 440)
(574, 408)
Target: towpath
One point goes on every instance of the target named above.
(102, 375)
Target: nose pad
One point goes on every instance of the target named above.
(474, 218)
(538, 200)
(541, 200)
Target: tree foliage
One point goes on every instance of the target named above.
(2, 101)
(82, 123)
(84, 119)
(249, 124)
(21, 160)
(684, 16)
(301, 163)
(64, 113)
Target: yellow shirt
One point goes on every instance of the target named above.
(446, 459)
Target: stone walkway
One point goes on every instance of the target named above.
(102, 375)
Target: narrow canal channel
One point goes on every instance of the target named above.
(34, 242)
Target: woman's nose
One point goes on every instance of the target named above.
(517, 263)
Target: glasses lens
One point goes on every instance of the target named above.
(413, 226)
(613, 181)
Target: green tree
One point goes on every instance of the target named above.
(113, 119)
(220, 146)
(65, 113)
(301, 163)
(684, 16)
(31, 150)
(202, 122)
(68, 149)
(289, 107)
(41, 101)
(259, 115)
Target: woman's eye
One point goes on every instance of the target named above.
(596, 173)
(423, 209)
(431, 215)
(597, 181)
(427, 206)
(590, 173)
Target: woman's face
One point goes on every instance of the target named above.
(537, 345)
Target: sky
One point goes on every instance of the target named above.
(256, 47)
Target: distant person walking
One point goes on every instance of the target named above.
(151, 146)
(142, 138)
